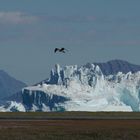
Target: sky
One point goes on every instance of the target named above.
(92, 31)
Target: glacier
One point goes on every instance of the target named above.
(84, 88)
(12, 106)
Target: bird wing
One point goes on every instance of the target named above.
(62, 49)
(56, 49)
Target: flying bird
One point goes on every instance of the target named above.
(63, 50)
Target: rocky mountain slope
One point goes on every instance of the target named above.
(9, 85)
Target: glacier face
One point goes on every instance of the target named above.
(84, 88)
(12, 106)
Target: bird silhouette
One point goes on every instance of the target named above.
(63, 50)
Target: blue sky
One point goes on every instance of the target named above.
(92, 30)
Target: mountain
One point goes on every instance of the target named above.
(9, 85)
(115, 66)
(91, 87)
